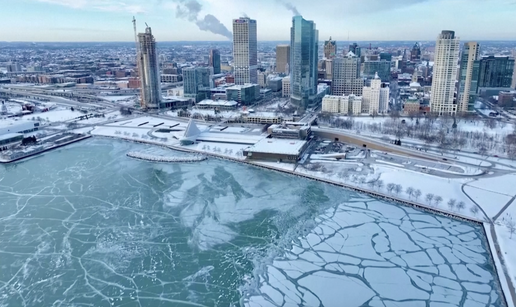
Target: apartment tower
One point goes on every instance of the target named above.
(445, 74)
(468, 80)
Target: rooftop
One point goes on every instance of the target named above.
(278, 146)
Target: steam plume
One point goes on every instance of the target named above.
(190, 10)
(289, 6)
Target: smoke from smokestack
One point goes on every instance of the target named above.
(190, 9)
(289, 6)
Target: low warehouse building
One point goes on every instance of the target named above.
(281, 150)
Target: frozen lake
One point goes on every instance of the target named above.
(87, 226)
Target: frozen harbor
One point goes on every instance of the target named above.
(88, 226)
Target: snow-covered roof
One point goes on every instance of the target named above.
(278, 146)
(225, 103)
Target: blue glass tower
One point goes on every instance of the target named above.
(304, 39)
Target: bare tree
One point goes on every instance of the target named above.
(391, 187)
(410, 191)
(429, 197)
(474, 210)
(437, 200)
(398, 189)
(379, 184)
(417, 194)
(511, 226)
(451, 204)
(461, 205)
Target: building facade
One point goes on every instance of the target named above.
(215, 61)
(468, 80)
(285, 84)
(195, 81)
(245, 51)
(304, 40)
(495, 72)
(331, 104)
(346, 76)
(283, 59)
(384, 98)
(415, 53)
(382, 68)
(371, 97)
(445, 74)
(149, 71)
(355, 49)
(330, 49)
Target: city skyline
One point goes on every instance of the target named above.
(199, 20)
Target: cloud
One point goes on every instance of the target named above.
(129, 6)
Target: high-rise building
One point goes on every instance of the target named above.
(371, 96)
(468, 80)
(346, 76)
(445, 74)
(415, 53)
(14, 67)
(285, 84)
(215, 61)
(304, 40)
(245, 51)
(262, 79)
(330, 49)
(149, 71)
(355, 49)
(496, 72)
(384, 98)
(513, 85)
(283, 59)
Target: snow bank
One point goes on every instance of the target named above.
(154, 158)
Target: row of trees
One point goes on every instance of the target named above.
(392, 188)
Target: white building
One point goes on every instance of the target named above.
(384, 99)
(331, 104)
(245, 51)
(371, 96)
(355, 104)
(262, 79)
(445, 74)
(286, 87)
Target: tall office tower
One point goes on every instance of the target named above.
(384, 98)
(346, 76)
(445, 74)
(149, 70)
(330, 49)
(496, 71)
(245, 51)
(371, 96)
(468, 83)
(215, 61)
(415, 53)
(304, 40)
(283, 59)
(513, 85)
(355, 49)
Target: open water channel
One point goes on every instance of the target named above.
(87, 226)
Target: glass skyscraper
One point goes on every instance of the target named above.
(304, 40)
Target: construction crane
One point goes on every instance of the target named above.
(138, 56)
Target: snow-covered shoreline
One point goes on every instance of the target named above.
(153, 158)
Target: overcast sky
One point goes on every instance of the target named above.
(174, 20)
